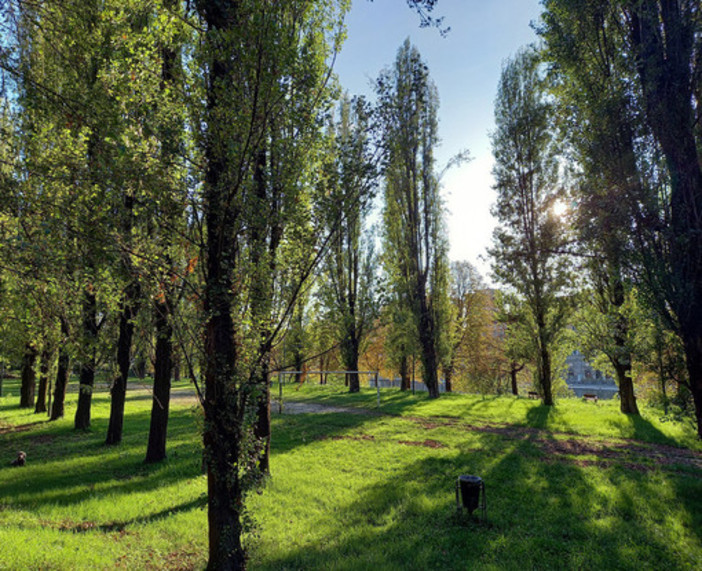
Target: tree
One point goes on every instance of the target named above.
(529, 235)
(259, 60)
(468, 316)
(413, 214)
(658, 46)
(665, 37)
(598, 111)
(347, 288)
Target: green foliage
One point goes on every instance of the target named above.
(348, 180)
(414, 237)
(528, 243)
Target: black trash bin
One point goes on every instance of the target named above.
(470, 494)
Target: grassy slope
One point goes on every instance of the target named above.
(365, 491)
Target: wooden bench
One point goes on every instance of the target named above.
(533, 395)
(590, 397)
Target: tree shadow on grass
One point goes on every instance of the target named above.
(543, 512)
(118, 526)
(65, 466)
(537, 416)
(642, 429)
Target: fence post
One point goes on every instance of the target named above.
(377, 388)
(280, 392)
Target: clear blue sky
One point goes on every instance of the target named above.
(466, 68)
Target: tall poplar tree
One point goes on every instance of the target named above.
(348, 285)
(600, 120)
(414, 236)
(265, 70)
(529, 235)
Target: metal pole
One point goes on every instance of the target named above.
(412, 373)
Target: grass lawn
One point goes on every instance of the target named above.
(577, 486)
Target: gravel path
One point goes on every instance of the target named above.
(291, 407)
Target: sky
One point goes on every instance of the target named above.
(465, 66)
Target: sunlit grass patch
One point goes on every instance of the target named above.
(574, 486)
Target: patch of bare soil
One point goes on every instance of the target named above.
(426, 443)
(11, 429)
(349, 437)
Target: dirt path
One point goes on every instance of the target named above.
(289, 407)
(292, 407)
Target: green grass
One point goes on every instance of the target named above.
(576, 486)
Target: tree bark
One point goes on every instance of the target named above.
(62, 373)
(543, 368)
(124, 346)
(544, 372)
(404, 374)
(43, 380)
(87, 368)
(163, 366)
(514, 369)
(427, 343)
(224, 404)
(29, 380)
(223, 414)
(351, 364)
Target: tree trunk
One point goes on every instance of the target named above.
(223, 415)
(29, 379)
(62, 373)
(427, 342)
(87, 368)
(404, 374)
(665, 42)
(163, 365)
(140, 367)
(224, 407)
(43, 380)
(544, 372)
(448, 373)
(124, 347)
(176, 365)
(693, 354)
(513, 372)
(166, 361)
(627, 398)
(351, 364)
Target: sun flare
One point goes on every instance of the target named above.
(559, 208)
